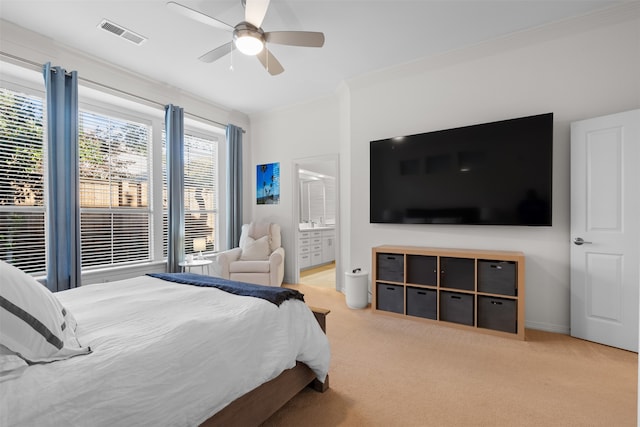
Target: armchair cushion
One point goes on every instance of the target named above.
(254, 250)
(249, 267)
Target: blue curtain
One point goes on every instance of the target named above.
(63, 200)
(174, 128)
(234, 185)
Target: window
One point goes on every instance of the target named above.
(114, 190)
(200, 191)
(22, 212)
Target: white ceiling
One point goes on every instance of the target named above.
(361, 37)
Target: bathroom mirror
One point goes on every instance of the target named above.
(317, 199)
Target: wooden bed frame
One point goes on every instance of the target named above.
(258, 405)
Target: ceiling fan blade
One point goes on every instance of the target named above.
(218, 52)
(198, 16)
(255, 10)
(269, 62)
(295, 38)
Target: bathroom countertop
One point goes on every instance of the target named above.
(318, 228)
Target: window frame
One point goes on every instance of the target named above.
(202, 131)
(93, 106)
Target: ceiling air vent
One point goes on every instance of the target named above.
(120, 31)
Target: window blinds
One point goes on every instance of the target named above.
(22, 232)
(200, 191)
(114, 190)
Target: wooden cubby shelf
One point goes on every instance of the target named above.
(481, 290)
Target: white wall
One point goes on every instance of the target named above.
(302, 132)
(578, 69)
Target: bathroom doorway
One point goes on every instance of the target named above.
(323, 276)
(316, 223)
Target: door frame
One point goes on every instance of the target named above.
(297, 165)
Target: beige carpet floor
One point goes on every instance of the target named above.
(388, 371)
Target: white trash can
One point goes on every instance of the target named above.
(357, 288)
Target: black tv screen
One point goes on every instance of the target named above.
(497, 173)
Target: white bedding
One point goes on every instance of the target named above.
(164, 354)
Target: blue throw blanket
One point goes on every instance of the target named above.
(275, 295)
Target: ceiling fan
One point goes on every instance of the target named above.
(248, 36)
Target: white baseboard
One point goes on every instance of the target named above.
(548, 327)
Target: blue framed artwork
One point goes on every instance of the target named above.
(268, 184)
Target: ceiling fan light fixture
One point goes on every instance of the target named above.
(249, 45)
(248, 39)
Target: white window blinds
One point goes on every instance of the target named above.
(114, 190)
(200, 192)
(22, 213)
(200, 161)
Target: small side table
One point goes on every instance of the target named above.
(186, 266)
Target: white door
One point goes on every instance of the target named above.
(605, 229)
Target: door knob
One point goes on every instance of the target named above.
(580, 241)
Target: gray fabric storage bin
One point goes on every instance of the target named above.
(390, 267)
(456, 307)
(390, 297)
(499, 314)
(422, 270)
(457, 273)
(422, 302)
(497, 277)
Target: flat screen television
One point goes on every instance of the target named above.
(497, 173)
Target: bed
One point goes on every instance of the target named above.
(156, 352)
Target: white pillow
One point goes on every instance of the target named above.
(256, 250)
(33, 323)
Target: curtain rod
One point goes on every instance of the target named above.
(38, 67)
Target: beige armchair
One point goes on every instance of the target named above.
(259, 258)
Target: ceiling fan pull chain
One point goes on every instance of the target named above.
(231, 57)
